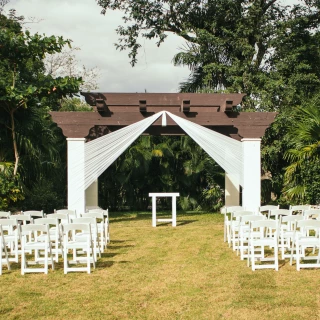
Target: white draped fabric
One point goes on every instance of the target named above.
(100, 153)
(226, 151)
(89, 160)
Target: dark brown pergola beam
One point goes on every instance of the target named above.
(116, 110)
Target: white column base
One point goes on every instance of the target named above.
(251, 189)
(76, 175)
(92, 195)
(232, 191)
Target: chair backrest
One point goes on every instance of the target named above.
(288, 222)
(235, 215)
(62, 217)
(93, 214)
(86, 220)
(47, 221)
(265, 225)
(5, 214)
(70, 213)
(104, 212)
(8, 222)
(24, 218)
(34, 213)
(279, 212)
(231, 209)
(266, 209)
(249, 218)
(26, 229)
(312, 214)
(76, 227)
(299, 208)
(306, 225)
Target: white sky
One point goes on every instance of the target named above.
(81, 21)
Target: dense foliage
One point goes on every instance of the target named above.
(30, 144)
(163, 164)
(266, 49)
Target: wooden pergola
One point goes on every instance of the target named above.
(218, 112)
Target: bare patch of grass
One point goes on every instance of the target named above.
(186, 272)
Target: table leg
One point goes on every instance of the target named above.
(174, 212)
(154, 211)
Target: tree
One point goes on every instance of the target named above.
(244, 46)
(64, 63)
(302, 174)
(23, 82)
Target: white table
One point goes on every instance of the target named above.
(154, 196)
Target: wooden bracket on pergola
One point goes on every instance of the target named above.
(143, 106)
(185, 106)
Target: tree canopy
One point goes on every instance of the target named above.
(262, 48)
(28, 141)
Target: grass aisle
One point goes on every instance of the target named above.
(186, 272)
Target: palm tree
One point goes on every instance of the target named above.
(299, 178)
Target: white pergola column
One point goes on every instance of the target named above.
(251, 189)
(232, 191)
(76, 175)
(92, 194)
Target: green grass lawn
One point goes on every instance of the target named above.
(186, 272)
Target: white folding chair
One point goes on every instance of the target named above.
(32, 244)
(3, 253)
(83, 242)
(235, 227)
(55, 235)
(92, 221)
(106, 221)
(99, 216)
(286, 235)
(11, 238)
(306, 236)
(244, 232)
(259, 239)
(225, 211)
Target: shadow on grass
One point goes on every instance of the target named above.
(147, 215)
(120, 247)
(179, 223)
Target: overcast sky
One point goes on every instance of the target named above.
(81, 21)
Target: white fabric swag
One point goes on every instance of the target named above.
(102, 152)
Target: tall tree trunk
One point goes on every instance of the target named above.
(15, 147)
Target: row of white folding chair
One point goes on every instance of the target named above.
(34, 238)
(36, 243)
(263, 233)
(81, 239)
(225, 211)
(295, 236)
(103, 225)
(306, 236)
(105, 214)
(3, 254)
(235, 225)
(250, 234)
